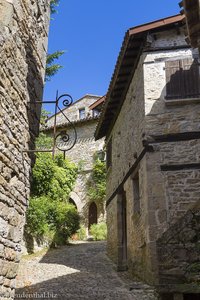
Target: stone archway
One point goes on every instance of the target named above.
(76, 201)
(92, 218)
(71, 201)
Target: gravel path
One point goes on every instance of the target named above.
(79, 271)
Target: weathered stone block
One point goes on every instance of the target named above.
(6, 12)
(20, 61)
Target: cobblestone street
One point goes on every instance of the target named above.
(79, 271)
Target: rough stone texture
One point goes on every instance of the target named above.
(83, 151)
(23, 42)
(73, 110)
(78, 271)
(112, 238)
(181, 240)
(165, 196)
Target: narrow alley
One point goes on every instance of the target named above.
(78, 271)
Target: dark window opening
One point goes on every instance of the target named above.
(182, 79)
(95, 112)
(92, 214)
(191, 297)
(109, 153)
(101, 155)
(82, 113)
(136, 194)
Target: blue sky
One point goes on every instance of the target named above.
(91, 32)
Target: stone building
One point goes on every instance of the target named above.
(150, 119)
(23, 44)
(84, 117)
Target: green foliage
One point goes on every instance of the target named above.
(53, 4)
(53, 178)
(43, 174)
(51, 67)
(55, 219)
(37, 215)
(81, 233)
(44, 141)
(44, 116)
(99, 231)
(97, 182)
(49, 214)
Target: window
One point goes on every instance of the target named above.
(82, 113)
(182, 79)
(136, 193)
(101, 155)
(95, 112)
(109, 154)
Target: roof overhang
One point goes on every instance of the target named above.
(126, 65)
(69, 124)
(191, 9)
(97, 103)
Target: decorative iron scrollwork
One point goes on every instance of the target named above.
(66, 102)
(64, 140)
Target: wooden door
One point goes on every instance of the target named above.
(92, 214)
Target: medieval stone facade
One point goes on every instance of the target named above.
(152, 138)
(85, 120)
(23, 44)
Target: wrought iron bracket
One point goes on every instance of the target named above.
(67, 142)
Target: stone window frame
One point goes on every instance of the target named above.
(82, 109)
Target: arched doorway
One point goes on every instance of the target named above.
(71, 201)
(92, 214)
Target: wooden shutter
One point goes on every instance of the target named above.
(173, 79)
(182, 79)
(191, 78)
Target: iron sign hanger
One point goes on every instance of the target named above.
(67, 144)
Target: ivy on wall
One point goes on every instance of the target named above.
(97, 182)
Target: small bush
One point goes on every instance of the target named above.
(99, 231)
(36, 218)
(45, 216)
(49, 216)
(81, 233)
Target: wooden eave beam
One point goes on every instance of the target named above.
(128, 62)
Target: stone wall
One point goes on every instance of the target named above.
(126, 147)
(171, 194)
(112, 224)
(181, 241)
(73, 110)
(82, 154)
(23, 44)
(123, 134)
(86, 146)
(165, 196)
